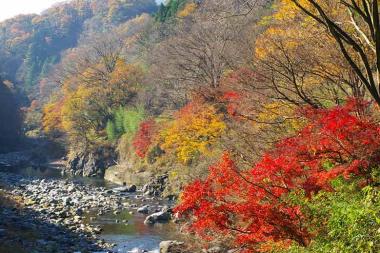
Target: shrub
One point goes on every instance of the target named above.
(265, 204)
(143, 137)
(124, 122)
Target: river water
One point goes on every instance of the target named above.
(131, 234)
(125, 229)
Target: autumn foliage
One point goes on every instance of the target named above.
(196, 127)
(52, 117)
(285, 90)
(143, 138)
(254, 207)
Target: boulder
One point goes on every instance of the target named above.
(130, 189)
(89, 164)
(143, 209)
(93, 167)
(172, 247)
(163, 216)
(156, 186)
(120, 189)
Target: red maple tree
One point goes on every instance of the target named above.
(143, 137)
(252, 206)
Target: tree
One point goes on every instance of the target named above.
(82, 116)
(169, 10)
(196, 127)
(259, 206)
(355, 30)
(299, 63)
(144, 137)
(52, 118)
(111, 131)
(257, 117)
(203, 46)
(187, 10)
(97, 87)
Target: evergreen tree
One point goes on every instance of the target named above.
(111, 131)
(30, 67)
(119, 120)
(124, 122)
(170, 10)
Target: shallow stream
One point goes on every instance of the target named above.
(125, 229)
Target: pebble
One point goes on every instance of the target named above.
(64, 203)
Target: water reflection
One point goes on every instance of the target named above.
(130, 233)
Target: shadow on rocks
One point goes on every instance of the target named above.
(24, 230)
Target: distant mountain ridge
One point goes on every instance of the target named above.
(31, 44)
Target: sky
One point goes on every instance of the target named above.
(11, 8)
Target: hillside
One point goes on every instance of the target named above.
(32, 44)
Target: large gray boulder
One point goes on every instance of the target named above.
(89, 164)
(164, 215)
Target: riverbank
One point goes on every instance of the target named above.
(61, 215)
(51, 213)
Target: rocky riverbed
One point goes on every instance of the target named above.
(57, 213)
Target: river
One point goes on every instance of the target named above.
(125, 229)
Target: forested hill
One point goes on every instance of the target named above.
(31, 44)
